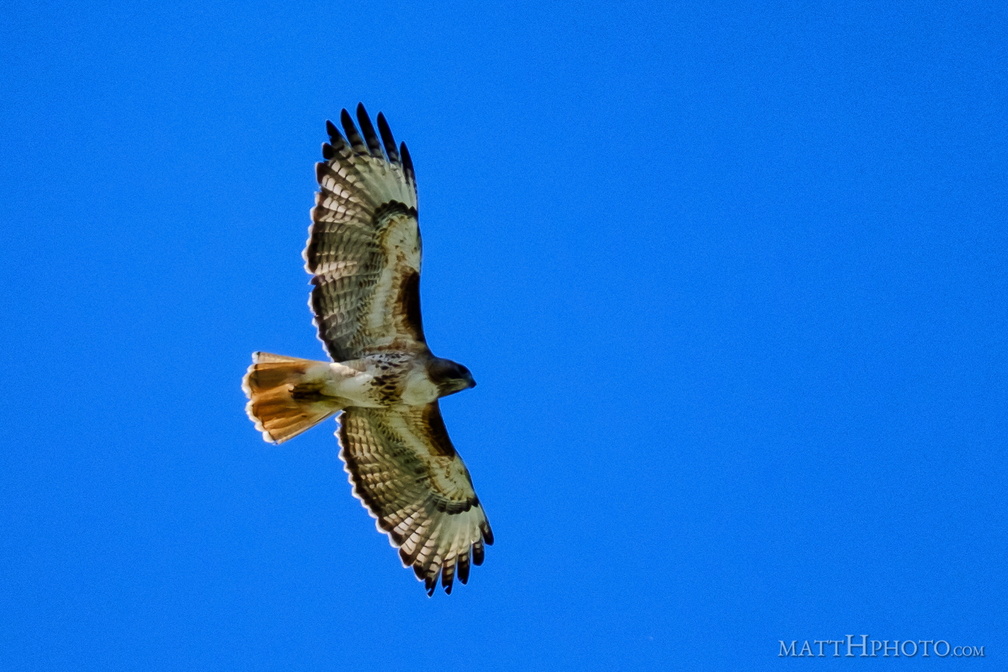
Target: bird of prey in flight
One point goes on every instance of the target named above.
(363, 254)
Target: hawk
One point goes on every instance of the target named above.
(363, 254)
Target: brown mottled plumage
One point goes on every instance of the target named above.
(363, 253)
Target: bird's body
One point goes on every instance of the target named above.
(376, 381)
(363, 253)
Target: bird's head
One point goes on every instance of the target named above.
(449, 376)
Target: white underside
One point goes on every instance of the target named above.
(355, 382)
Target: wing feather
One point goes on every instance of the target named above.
(374, 146)
(407, 164)
(387, 139)
(408, 475)
(351, 132)
(364, 248)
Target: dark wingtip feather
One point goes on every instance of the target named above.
(447, 578)
(430, 582)
(327, 151)
(407, 163)
(351, 132)
(487, 532)
(463, 568)
(336, 140)
(387, 139)
(367, 128)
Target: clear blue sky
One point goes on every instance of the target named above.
(731, 276)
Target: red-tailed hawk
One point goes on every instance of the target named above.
(363, 254)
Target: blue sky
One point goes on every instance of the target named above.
(731, 277)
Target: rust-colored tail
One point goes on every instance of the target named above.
(283, 395)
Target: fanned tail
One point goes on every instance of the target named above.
(284, 395)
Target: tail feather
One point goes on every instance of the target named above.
(281, 399)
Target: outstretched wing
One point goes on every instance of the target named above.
(405, 470)
(363, 246)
